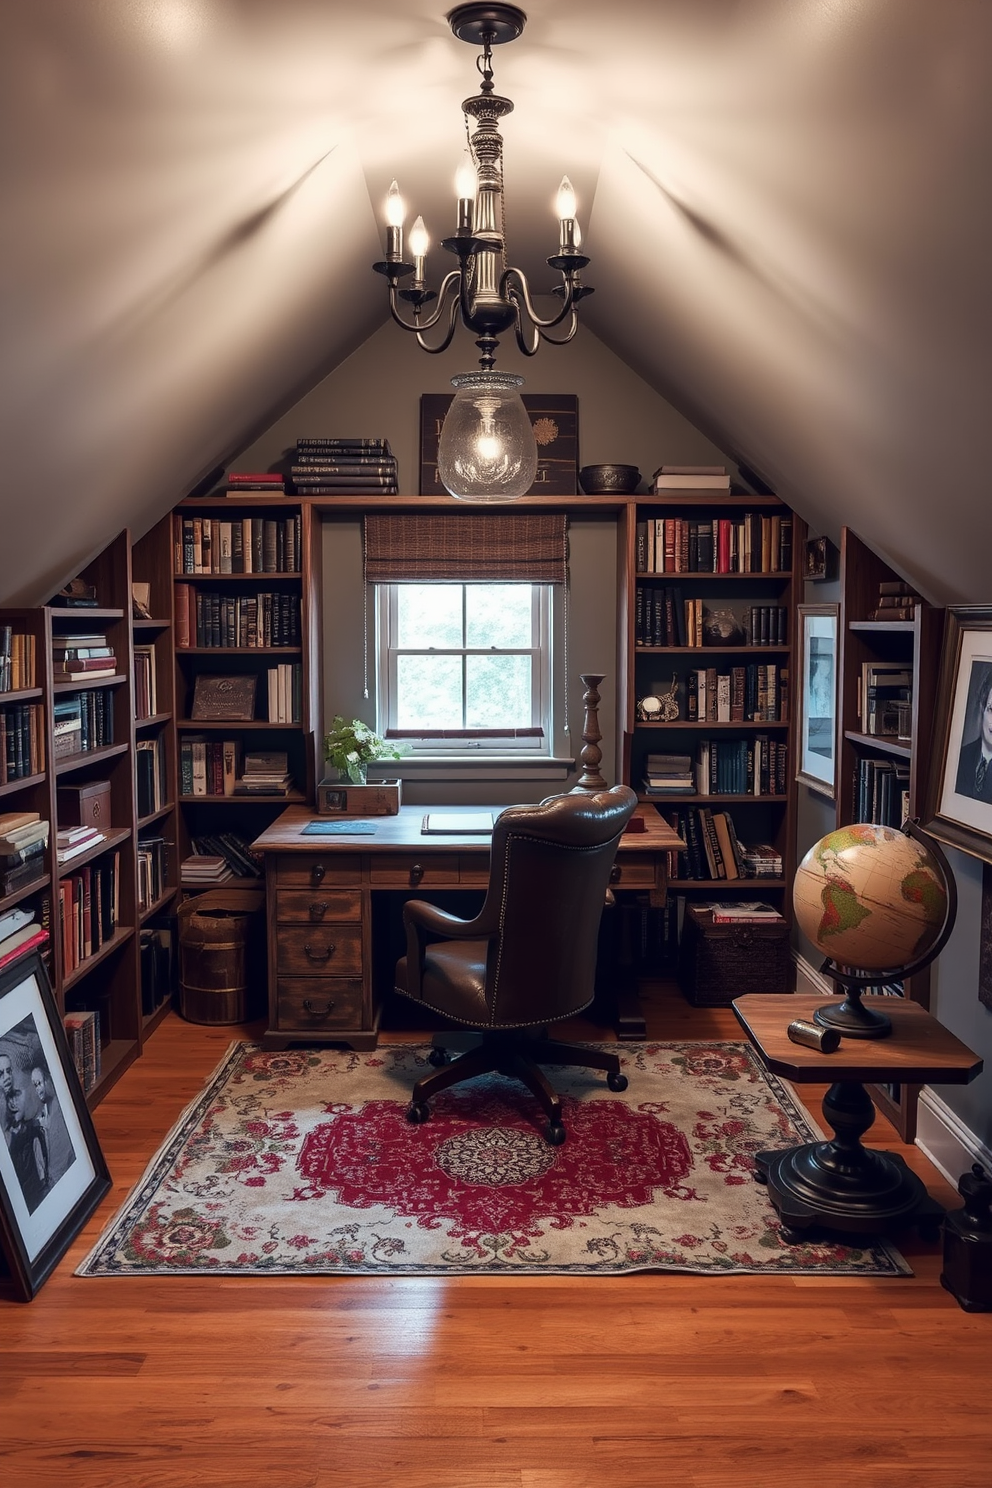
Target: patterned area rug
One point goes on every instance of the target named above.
(303, 1162)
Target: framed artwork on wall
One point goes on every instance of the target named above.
(52, 1172)
(960, 795)
(817, 693)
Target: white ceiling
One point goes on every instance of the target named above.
(786, 202)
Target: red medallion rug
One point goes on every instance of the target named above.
(304, 1162)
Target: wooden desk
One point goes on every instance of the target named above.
(319, 903)
(840, 1184)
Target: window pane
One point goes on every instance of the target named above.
(429, 615)
(498, 692)
(428, 692)
(498, 615)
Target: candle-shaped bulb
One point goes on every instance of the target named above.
(565, 200)
(395, 209)
(418, 240)
(466, 181)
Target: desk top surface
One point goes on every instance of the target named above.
(919, 1049)
(404, 830)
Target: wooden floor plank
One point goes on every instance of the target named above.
(653, 1381)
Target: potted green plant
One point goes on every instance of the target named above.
(352, 747)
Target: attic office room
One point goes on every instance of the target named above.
(783, 209)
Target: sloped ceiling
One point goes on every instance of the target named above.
(786, 202)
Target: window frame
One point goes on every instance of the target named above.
(533, 742)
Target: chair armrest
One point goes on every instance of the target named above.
(423, 920)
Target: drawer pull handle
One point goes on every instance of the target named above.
(318, 909)
(616, 873)
(319, 955)
(308, 1007)
(416, 873)
(317, 872)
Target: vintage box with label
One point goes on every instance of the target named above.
(341, 798)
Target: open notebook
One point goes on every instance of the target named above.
(457, 823)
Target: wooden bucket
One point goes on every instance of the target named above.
(218, 933)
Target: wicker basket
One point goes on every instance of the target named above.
(219, 956)
(720, 962)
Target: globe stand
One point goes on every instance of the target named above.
(850, 1017)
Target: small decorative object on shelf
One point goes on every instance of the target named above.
(662, 707)
(77, 594)
(224, 698)
(379, 799)
(967, 1272)
(609, 480)
(352, 747)
(821, 560)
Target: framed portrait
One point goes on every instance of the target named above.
(817, 693)
(52, 1172)
(820, 560)
(960, 786)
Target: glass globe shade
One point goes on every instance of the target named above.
(487, 450)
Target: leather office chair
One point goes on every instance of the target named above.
(529, 957)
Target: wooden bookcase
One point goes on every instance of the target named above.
(915, 644)
(214, 813)
(649, 668)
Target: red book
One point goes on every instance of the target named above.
(723, 545)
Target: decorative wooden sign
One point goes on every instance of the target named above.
(555, 418)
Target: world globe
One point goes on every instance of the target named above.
(872, 898)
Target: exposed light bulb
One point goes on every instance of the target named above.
(419, 241)
(565, 200)
(466, 180)
(395, 207)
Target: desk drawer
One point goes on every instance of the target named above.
(473, 868)
(633, 873)
(413, 870)
(319, 950)
(315, 906)
(308, 1006)
(312, 870)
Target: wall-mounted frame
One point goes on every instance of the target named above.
(960, 794)
(820, 560)
(52, 1172)
(817, 697)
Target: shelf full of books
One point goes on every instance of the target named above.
(712, 583)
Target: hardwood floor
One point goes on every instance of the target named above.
(653, 1381)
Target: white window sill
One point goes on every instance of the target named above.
(461, 767)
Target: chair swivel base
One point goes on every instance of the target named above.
(519, 1059)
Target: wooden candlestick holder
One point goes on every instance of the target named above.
(591, 779)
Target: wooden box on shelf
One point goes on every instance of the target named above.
(341, 798)
(85, 805)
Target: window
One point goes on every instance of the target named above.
(465, 668)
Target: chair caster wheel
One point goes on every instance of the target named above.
(760, 1177)
(438, 1057)
(791, 1236)
(418, 1112)
(555, 1135)
(616, 1082)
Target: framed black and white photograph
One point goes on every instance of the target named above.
(817, 694)
(960, 796)
(52, 1172)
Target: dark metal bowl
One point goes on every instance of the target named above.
(609, 480)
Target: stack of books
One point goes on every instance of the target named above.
(203, 869)
(82, 1029)
(691, 478)
(897, 600)
(73, 841)
(17, 660)
(329, 467)
(760, 860)
(234, 850)
(668, 774)
(80, 658)
(23, 840)
(242, 482)
(266, 773)
(19, 934)
(745, 912)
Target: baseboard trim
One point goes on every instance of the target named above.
(940, 1133)
(946, 1141)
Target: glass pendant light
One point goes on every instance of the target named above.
(487, 450)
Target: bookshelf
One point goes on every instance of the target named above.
(229, 621)
(865, 758)
(680, 619)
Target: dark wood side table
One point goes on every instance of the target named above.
(839, 1184)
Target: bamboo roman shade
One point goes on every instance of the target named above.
(459, 548)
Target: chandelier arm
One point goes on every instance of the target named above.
(562, 340)
(445, 342)
(432, 320)
(514, 287)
